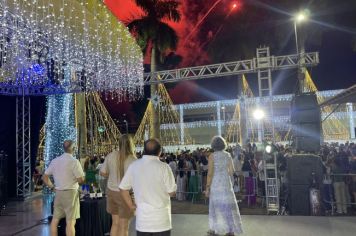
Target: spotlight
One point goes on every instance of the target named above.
(268, 149)
(258, 114)
(302, 16)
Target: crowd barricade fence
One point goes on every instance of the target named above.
(244, 183)
(331, 190)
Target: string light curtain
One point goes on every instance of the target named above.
(39, 39)
(60, 125)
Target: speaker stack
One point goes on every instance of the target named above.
(300, 169)
(306, 122)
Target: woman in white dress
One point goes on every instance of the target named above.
(224, 214)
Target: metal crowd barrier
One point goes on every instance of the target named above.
(184, 195)
(239, 184)
(330, 189)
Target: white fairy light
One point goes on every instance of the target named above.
(41, 38)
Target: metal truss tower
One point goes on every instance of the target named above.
(264, 74)
(23, 146)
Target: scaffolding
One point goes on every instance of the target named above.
(23, 146)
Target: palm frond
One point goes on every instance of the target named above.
(148, 6)
(141, 29)
(166, 38)
(168, 10)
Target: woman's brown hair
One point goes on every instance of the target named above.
(126, 150)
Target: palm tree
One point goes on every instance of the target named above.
(156, 36)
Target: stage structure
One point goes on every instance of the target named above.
(57, 48)
(263, 64)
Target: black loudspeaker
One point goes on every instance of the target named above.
(306, 122)
(299, 200)
(300, 169)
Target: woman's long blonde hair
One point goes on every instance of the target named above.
(126, 150)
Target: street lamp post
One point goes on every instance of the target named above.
(298, 19)
(259, 115)
(127, 126)
(223, 108)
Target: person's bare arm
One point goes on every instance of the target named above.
(127, 198)
(47, 181)
(125, 187)
(81, 180)
(210, 174)
(105, 175)
(169, 181)
(79, 173)
(231, 167)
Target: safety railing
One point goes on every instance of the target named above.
(336, 193)
(191, 185)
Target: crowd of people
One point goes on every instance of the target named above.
(339, 184)
(338, 161)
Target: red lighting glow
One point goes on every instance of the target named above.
(236, 5)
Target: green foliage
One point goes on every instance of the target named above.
(151, 29)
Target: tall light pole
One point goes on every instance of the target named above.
(223, 108)
(299, 18)
(259, 115)
(127, 126)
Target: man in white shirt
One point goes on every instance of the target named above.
(67, 173)
(153, 184)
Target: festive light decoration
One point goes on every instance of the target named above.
(39, 40)
(103, 132)
(168, 118)
(59, 126)
(332, 128)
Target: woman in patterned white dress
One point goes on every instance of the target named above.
(224, 214)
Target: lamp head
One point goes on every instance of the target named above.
(258, 114)
(302, 16)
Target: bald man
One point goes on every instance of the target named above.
(153, 184)
(67, 174)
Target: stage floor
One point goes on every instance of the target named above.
(27, 216)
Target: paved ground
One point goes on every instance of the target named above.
(27, 215)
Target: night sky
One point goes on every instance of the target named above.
(228, 35)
